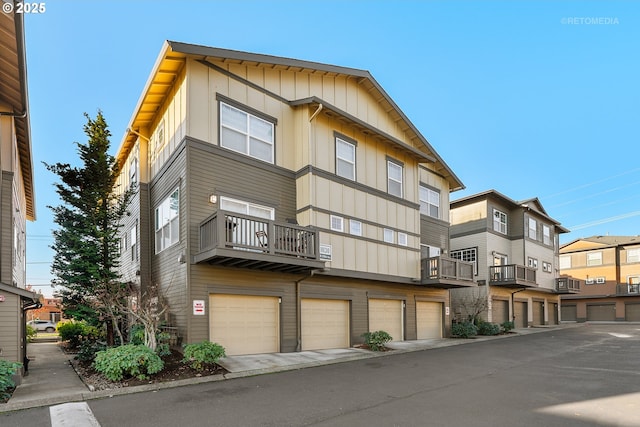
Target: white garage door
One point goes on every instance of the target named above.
(325, 324)
(245, 324)
(429, 319)
(386, 315)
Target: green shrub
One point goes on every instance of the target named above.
(31, 333)
(507, 326)
(88, 349)
(486, 328)
(128, 360)
(201, 353)
(7, 370)
(376, 340)
(464, 330)
(75, 333)
(136, 334)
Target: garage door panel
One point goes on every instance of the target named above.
(601, 312)
(245, 324)
(325, 324)
(538, 313)
(632, 312)
(499, 311)
(568, 313)
(520, 309)
(387, 315)
(428, 320)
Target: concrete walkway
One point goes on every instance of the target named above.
(52, 379)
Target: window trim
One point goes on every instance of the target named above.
(353, 222)
(546, 235)
(388, 235)
(428, 204)
(158, 244)
(250, 112)
(532, 262)
(532, 226)
(403, 239)
(336, 217)
(460, 254)
(594, 262)
(339, 138)
(497, 216)
(400, 165)
(565, 257)
(635, 257)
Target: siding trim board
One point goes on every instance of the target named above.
(353, 274)
(368, 239)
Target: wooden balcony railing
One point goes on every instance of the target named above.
(511, 273)
(631, 289)
(567, 285)
(440, 267)
(246, 233)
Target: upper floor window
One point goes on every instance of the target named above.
(246, 208)
(633, 255)
(394, 178)
(168, 221)
(134, 242)
(533, 229)
(403, 239)
(429, 202)
(337, 223)
(345, 159)
(469, 255)
(388, 235)
(355, 227)
(133, 171)
(547, 267)
(499, 221)
(565, 262)
(546, 234)
(246, 133)
(533, 262)
(594, 258)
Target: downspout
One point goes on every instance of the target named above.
(299, 310)
(34, 305)
(312, 155)
(513, 306)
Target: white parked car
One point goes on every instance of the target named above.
(42, 325)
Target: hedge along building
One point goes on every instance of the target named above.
(283, 205)
(16, 188)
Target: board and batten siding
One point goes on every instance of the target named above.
(6, 228)
(10, 318)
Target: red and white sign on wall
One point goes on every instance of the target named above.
(1, 298)
(198, 307)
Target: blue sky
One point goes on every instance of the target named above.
(533, 99)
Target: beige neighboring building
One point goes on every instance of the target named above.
(16, 188)
(514, 246)
(609, 268)
(284, 205)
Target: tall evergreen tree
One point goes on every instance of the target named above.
(86, 241)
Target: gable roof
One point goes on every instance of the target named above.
(14, 93)
(532, 204)
(173, 57)
(603, 242)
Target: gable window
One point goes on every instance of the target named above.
(246, 133)
(546, 234)
(388, 235)
(565, 262)
(337, 223)
(594, 258)
(345, 159)
(633, 255)
(429, 202)
(468, 255)
(533, 229)
(394, 178)
(167, 225)
(499, 221)
(355, 227)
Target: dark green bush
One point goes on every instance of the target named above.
(75, 333)
(507, 326)
(486, 328)
(376, 340)
(128, 360)
(464, 330)
(136, 334)
(31, 333)
(7, 370)
(88, 349)
(199, 354)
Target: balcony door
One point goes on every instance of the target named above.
(500, 260)
(247, 231)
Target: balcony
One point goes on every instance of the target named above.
(235, 240)
(512, 276)
(446, 273)
(567, 285)
(630, 289)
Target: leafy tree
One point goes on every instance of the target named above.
(86, 241)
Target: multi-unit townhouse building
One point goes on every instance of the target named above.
(16, 188)
(284, 205)
(514, 247)
(609, 267)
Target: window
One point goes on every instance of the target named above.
(388, 235)
(589, 281)
(345, 159)
(337, 223)
(546, 234)
(499, 221)
(633, 255)
(565, 262)
(469, 255)
(546, 267)
(246, 133)
(429, 202)
(403, 239)
(600, 280)
(427, 251)
(355, 227)
(533, 229)
(134, 242)
(246, 208)
(532, 262)
(168, 222)
(133, 171)
(633, 284)
(594, 258)
(394, 178)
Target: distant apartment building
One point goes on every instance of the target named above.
(609, 267)
(284, 205)
(514, 248)
(16, 188)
